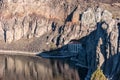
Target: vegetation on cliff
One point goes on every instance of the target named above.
(98, 75)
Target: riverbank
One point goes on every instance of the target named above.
(24, 53)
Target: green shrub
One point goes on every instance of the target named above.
(98, 75)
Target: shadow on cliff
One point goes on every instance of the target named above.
(90, 44)
(111, 67)
(60, 65)
(94, 37)
(70, 16)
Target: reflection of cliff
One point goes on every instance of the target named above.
(34, 68)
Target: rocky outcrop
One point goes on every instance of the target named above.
(102, 43)
(28, 19)
(88, 18)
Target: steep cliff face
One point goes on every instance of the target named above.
(101, 42)
(34, 25)
(28, 19)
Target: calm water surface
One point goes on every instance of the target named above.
(14, 67)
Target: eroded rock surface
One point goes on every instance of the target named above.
(56, 22)
(29, 19)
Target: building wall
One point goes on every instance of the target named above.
(74, 48)
(78, 49)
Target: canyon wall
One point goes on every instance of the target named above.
(35, 18)
(95, 25)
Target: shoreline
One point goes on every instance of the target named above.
(15, 52)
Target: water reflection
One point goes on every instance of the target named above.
(35, 68)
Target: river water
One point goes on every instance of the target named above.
(19, 67)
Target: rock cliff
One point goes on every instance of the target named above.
(34, 25)
(28, 19)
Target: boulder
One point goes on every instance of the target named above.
(88, 18)
(106, 16)
(98, 14)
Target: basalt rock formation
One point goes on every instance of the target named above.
(29, 19)
(47, 22)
